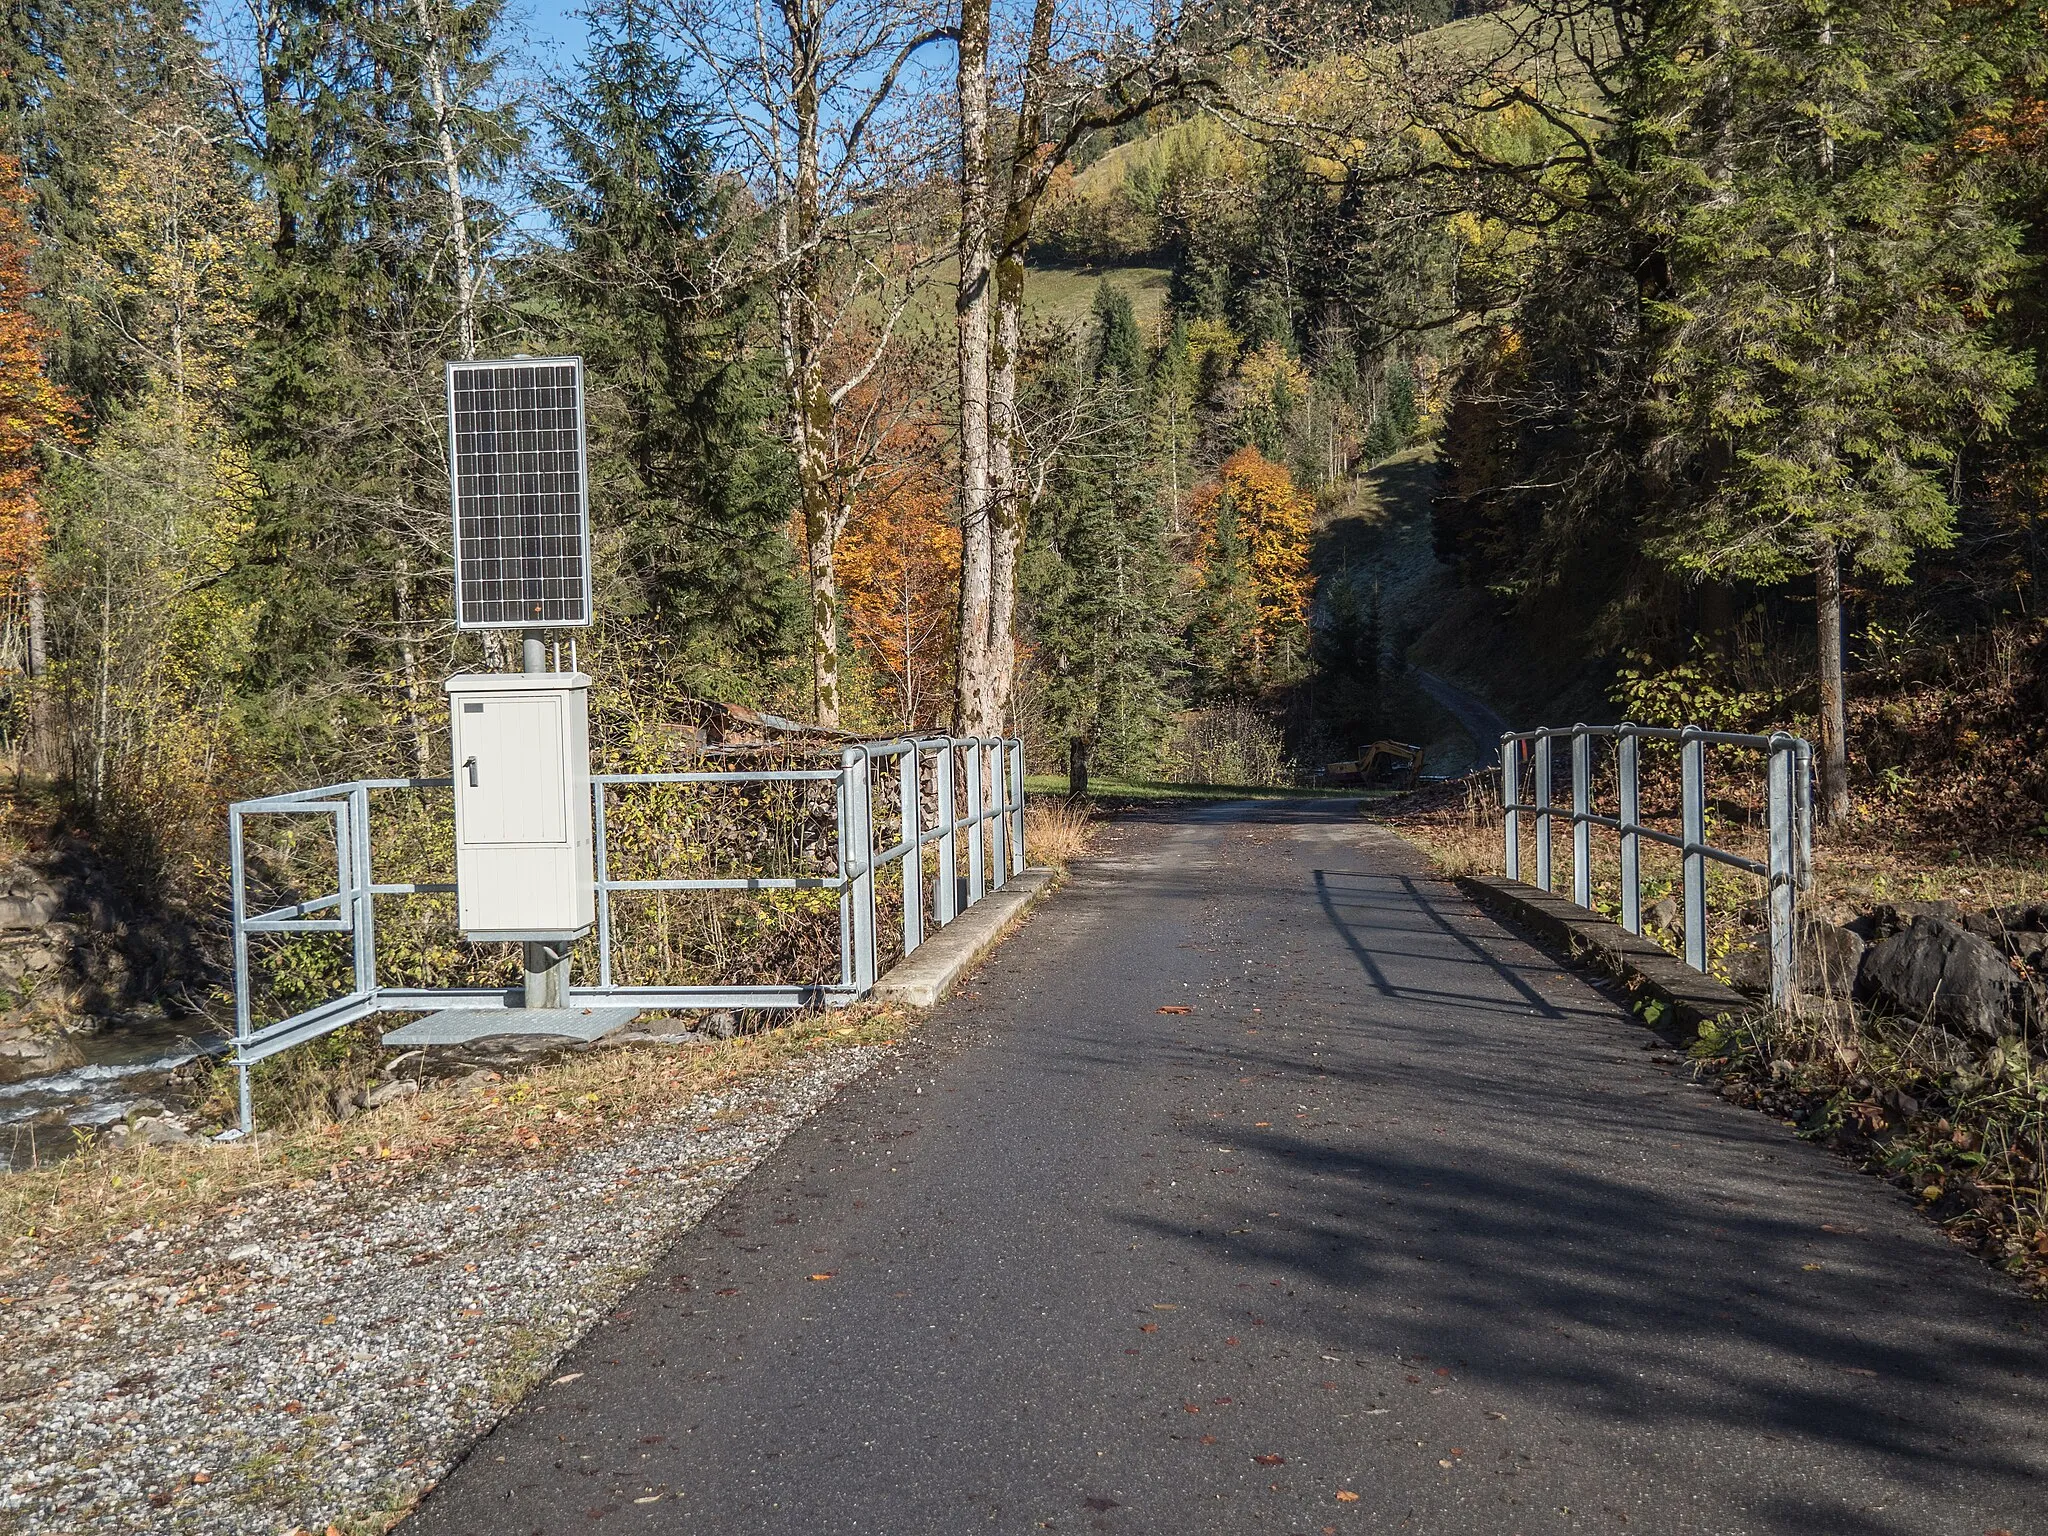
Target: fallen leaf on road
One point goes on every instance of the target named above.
(1176, 1008)
(1148, 1327)
(1414, 1381)
(1441, 1462)
(1222, 1402)
(1346, 1496)
(1270, 1461)
(1190, 1408)
(730, 1290)
(1208, 1439)
(1262, 1125)
(563, 1381)
(1492, 1415)
(826, 1275)
(1165, 1306)
(1857, 1370)
(1809, 1267)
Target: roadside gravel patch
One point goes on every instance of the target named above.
(319, 1356)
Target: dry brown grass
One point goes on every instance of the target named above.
(1056, 831)
(49, 1214)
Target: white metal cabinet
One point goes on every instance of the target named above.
(523, 861)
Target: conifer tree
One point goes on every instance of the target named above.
(1822, 354)
(1098, 574)
(698, 492)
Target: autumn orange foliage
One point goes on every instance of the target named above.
(1273, 519)
(899, 564)
(33, 411)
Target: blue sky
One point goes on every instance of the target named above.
(554, 32)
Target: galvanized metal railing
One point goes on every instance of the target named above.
(1786, 869)
(976, 807)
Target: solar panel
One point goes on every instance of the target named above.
(522, 515)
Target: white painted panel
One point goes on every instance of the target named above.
(520, 755)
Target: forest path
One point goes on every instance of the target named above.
(1397, 1226)
(1477, 718)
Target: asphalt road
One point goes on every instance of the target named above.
(1396, 1210)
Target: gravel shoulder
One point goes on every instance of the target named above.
(319, 1353)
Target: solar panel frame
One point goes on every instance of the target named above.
(522, 549)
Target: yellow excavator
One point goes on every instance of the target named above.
(1374, 763)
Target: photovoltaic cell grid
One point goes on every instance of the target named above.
(522, 544)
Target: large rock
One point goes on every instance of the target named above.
(1829, 959)
(1826, 959)
(1937, 971)
(1890, 918)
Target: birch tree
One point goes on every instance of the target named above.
(809, 93)
(1075, 72)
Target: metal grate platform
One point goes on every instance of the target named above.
(459, 1026)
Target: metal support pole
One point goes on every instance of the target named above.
(238, 905)
(1543, 813)
(1510, 808)
(977, 831)
(1631, 816)
(604, 895)
(948, 892)
(546, 964)
(1784, 868)
(1582, 806)
(1017, 802)
(913, 853)
(859, 859)
(999, 827)
(1693, 778)
(842, 795)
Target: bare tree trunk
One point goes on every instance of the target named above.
(42, 705)
(409, 669)
(974, 708)
(1027, 181)
(1834, 714)
(435, 69)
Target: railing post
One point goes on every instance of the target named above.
(999, 782)
(859, 854)
(1582, 807)
(842, 790)
(1802, 784)
(604, 895)
(1017, 804)
(1784, 867)
(913, 853)
(1631, 816)
(1543, 812)
(977, 833)
(948, 892)
(238, 906)
(1693, 816)
(1510, 809)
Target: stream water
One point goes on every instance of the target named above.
(44, 1116)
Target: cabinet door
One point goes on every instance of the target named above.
(509, 769)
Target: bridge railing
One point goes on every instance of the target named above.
(1786, 868)
(952, 805)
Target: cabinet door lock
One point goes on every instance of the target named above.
(469, 767)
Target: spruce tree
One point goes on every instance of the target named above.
(1099, 574)
(1822, 355)
(696, 488)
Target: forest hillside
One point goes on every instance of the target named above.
(1677, 362)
